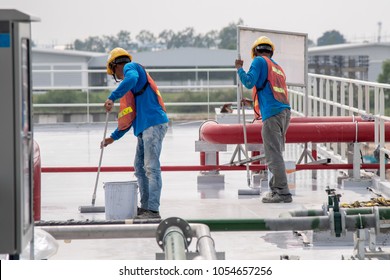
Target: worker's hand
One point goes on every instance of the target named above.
(106, 142)
(239, 63)
(108, 105)
(246, 102)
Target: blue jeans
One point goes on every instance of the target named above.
(147, 165)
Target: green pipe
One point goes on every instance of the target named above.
(352, 222)
(303, 213)
(278, 224)
(384, 212)
(357, 211)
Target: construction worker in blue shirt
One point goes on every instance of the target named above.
(270, 98)
(149, 122)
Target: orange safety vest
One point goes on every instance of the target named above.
(277, 80)
(127, 112)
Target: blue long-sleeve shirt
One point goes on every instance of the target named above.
(148, 110)
(257, 76)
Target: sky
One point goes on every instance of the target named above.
(62, 22)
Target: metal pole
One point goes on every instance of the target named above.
(174, 244)
(205, 244)
(239, 103)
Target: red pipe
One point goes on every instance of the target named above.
(328, 119)
(37, 183)
(253, 167)
(297, 132)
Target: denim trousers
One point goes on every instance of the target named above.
(274, 135)
(147, 165)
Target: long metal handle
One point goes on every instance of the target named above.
(100, 161)
(244, 130)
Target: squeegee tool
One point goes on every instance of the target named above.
(93, 208)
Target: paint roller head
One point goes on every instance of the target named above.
(255, 191)
(92, 209)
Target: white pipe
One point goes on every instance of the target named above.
(205, 243)
(174, 244)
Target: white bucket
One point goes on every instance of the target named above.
(121, 200)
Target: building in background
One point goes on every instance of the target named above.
(182, 58)
(46, 64)
(357, 61)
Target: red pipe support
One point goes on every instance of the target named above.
(37, 183)
(297, 132)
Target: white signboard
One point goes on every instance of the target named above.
(290, 51)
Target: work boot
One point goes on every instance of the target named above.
(147, 214)
(274, 197)
(140, 210)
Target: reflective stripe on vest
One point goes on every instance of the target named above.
(125, 112)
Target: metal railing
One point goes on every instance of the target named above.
(323, 96)
(335, 96)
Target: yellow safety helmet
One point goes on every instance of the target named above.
(265, 43)
(116, 56)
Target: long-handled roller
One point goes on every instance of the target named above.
(251, 190)
(93, 208)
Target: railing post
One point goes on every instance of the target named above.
(350, 98)
(382, 169)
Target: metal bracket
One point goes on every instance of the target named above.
(249, 160)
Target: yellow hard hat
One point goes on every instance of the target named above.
(115, 57)
(263, 40)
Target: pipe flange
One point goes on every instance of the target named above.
(169, 222)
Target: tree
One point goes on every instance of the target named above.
(92, 43)
(147, 40)
(165, 37)
(332, 37)
(184, 38)
(124, 40)
(228, 36)
(106, 43)
(209, 40)
(310, 43)
(384, 77)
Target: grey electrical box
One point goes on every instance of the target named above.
(16, 135)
